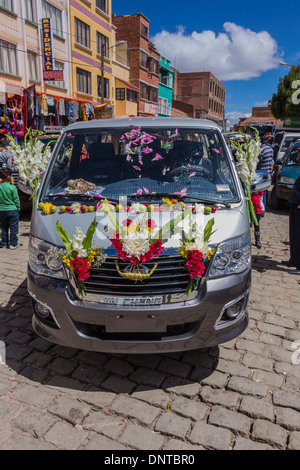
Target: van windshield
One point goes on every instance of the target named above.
(141, 163)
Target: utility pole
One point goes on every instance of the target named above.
(102, 72)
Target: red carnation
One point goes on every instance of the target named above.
(194, 263)
(81, 267)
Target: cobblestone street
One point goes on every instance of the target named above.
(241, 395)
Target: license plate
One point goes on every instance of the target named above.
(132, 301)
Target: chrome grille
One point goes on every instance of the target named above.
(170, 277)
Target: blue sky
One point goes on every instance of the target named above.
(241, 44)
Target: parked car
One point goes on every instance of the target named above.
(284, 179)
(281, 147)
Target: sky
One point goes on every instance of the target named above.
(241, 43)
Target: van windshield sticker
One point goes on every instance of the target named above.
(222, 187)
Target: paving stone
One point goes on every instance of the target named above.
(26, 442)
(211, 437)
(33, 421)
(256, 408)
(99, 442)
(289, 419)
(233, 368)
(141, 438)
(153, 396)
(294, 441)
(247, 387)
(181, 386)
(258, 362)
(118, 384)
(242, 443)
(219, 397)
(172, 424)
(119, 367)
(147, 377)
(98, 397)
(229, 419)
(69, 409)
(137, 409)
(269, 378)
(194, 410)
(269, 432)
(65, 436)
(90, 374)
(170, 366)
(103, 423)
(33, 395)
(289, 400)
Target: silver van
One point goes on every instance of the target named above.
(98, 281)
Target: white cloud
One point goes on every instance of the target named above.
(233, 117)
(236, 54)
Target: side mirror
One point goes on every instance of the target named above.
(261, 182)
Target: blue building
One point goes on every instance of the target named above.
(165, 89)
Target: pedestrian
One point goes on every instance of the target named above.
(256, 201)
(265, 163)
(9, 210)
(5, 155)
(294, 228)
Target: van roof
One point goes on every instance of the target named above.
(142, 121)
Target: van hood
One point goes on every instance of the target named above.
(228, 223)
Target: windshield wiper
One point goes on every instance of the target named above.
(79, 196)
(212, 201)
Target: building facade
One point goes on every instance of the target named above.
(202, 90)
(165, 90)
(22, 61)
(143, 60)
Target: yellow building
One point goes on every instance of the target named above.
(125, 95)
(91, 41)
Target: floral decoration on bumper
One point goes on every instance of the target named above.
(139, 241)
(79, 256)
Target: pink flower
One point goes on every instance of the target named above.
(137, 168)
(157, 157)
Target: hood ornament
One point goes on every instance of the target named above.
(135, 272)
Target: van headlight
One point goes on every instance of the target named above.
(42, 261)
(232, 257)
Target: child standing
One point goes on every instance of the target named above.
(9, 210)
(256, 201)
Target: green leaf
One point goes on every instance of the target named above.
(208, 230)
(64, 235)
(110, 213)
(87, 242)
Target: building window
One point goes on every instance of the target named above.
(102, 5)
(131, 95)
(144, 31)
(143, 60)
(120, 93)
(163, 106)
(102, 40)
(152, 65)
(30, 10)
(82, 33)
(152, 94)
(143, 91)
(8, 58)
(106, 87)
(83, 81)
(8, 4)
(33, 66)
(49, 11)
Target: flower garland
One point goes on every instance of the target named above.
(79, 255)
(31, 159)
(247, 154)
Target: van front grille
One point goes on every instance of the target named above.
(170, 277)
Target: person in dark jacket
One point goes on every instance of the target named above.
(294, 228)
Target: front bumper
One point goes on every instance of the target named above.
(165, 327)
(283, 191)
